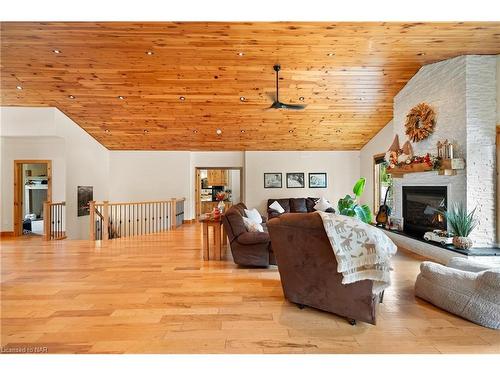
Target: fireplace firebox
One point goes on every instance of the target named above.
(423, 208)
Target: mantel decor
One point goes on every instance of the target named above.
(420, 122)
(424, 163)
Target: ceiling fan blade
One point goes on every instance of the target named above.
(275, 105)
(293, 106)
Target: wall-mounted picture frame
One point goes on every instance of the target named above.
(85, 194)
(295, 180)
(273, 180)
(317, 180)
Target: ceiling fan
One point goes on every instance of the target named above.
(276, 102)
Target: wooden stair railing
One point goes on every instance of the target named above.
(54, 215)
(129, 219)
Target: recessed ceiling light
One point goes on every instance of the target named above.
(242, 98)
(218, 131)
(149, 53)
(241, 53)
(19, 87)
(195, 131)
(146, 131)
(56, 51)
(242, 130)
(421, 54)
(121, 97)
(106, 130)
(301, 98)
(182, 98)
(330, 54)
(290, 131)
(71, 96)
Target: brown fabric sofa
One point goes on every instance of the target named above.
(308, 269)
(247, 248)
(292, 205)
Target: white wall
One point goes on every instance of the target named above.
(377, 145)
(86, 160)
(235, 185)
(148, 175)
(24, 148)
(87, 164)
(342, 168)
(498, 89)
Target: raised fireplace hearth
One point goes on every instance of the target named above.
(423, 209)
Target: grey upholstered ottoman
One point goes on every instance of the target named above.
(464, 288)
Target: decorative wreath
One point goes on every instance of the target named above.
(420, 122)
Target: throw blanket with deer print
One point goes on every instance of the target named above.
(363, 251)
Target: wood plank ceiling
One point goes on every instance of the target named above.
(170, 86)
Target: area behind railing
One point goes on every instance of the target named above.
(54, 214)
(126, 219)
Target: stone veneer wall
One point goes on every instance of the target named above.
(462, 91)
(481, 144)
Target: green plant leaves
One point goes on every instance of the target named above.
(364, 213)
(461, 222)
(349, 206)
(359, 187)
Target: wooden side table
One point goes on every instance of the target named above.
(214, 252)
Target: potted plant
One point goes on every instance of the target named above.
(461, 224)
(349, 205)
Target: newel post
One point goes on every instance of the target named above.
(174, 213)
(105, 224)
(47, 220)
(92, 220)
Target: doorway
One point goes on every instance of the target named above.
(32, 187)
(213, 180)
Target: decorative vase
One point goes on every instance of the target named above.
(464, 243)
(221, 206)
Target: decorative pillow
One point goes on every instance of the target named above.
(252, 226)
(322, 205)
(310, 202)
(254, 215)
(277, 207)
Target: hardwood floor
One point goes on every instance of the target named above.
(155, 294)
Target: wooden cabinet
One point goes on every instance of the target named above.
(217, 177)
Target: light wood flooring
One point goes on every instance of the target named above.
(155, 294)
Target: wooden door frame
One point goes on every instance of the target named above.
(374, 181)
(197, 182)
(18, 192)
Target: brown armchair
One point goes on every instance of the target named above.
(247, 248)
(308, 269)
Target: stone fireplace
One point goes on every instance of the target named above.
(462, 92)
(423, 208)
